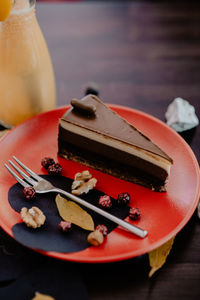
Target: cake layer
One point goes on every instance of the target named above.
(117, 168)
(113, 149)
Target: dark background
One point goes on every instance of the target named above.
(142, 54)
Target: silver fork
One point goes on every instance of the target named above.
(43, 186)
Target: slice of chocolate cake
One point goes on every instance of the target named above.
(92, 134)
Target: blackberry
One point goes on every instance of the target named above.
(65, 226)
(47, 161)
(92, 88)
(105, 201)
(103, 229)
(29, 192)
(54, 169)
(134, 213)
(123, 199)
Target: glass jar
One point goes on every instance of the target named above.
(27, 85)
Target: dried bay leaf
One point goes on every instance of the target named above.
(198, 210)
(39, 296)
(73, 213)
(158, 256)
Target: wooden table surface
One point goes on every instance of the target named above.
(142, 55)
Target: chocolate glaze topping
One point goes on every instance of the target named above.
(110, 124)
(82, 107)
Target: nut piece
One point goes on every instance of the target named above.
(33, 217)
(80, 178)
(95, 238)
(83, 183)
(85, 175)
(85, 187)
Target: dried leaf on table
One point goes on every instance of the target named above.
(39, 296)
(158, 256)
(198, 210)
(73, 213)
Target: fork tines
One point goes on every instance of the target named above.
(27, 180)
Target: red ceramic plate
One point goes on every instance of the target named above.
(163, 214)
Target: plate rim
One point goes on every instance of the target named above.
(126, 255)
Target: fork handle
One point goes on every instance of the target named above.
(132, 228)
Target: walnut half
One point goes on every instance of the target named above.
(32, 217)
(83, 183)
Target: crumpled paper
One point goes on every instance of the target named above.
(180, 115)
